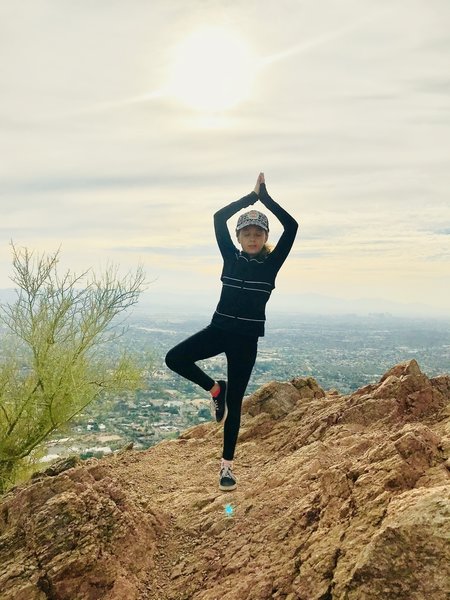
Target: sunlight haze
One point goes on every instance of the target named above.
(212, 70)
(125, 126)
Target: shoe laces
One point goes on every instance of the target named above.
(227, 472)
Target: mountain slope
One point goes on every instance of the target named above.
(339, 497)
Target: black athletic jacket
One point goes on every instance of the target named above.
(247, 282)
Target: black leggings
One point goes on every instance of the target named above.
(240, 351)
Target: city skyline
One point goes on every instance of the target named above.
(119, 142)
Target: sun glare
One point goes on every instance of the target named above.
(212, 70)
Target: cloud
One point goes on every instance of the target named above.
(439, 86)
(191, 250)
(53, 185)
(352, 134)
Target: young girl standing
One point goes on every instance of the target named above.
(248, 278)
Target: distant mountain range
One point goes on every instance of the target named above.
(156, 301)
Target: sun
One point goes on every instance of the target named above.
(213, 70)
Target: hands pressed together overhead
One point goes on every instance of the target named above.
(259, 181)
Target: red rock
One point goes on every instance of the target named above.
(339, 497)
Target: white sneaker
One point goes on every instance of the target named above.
(227, 481)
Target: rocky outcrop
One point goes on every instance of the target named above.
(339, 497)
(76, 535)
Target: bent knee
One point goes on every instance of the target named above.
(172, 359)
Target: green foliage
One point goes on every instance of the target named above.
(204, 413)
(52, 365)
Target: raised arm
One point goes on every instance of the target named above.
(290, 225)
(221, 217)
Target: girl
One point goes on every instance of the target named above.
(248, 278)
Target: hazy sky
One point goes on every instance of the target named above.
(116, 146)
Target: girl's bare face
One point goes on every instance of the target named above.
(252, 239)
